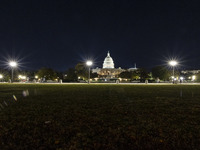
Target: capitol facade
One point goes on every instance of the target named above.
(108, 71)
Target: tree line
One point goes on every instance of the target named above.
(80, 72)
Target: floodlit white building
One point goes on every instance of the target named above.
(108, 71)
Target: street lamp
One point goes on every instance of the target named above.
(12, 64)
(1, 76)
(173, 63)
(89, 63)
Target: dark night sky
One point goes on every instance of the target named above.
(61, 33)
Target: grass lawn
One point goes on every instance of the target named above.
(99, 116)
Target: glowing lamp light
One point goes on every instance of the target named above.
(13, 64)
(22, 77)
(1, 76)
(193, 78)
(173, 63)
(181, 78)
(36, 77)
(89, 63)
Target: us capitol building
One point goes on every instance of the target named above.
(109, 71)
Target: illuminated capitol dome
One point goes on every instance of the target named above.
(108, 71)
(108, 62)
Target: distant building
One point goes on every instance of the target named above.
(109, 71)
(132, 69)
(189, 75)
(190, 71)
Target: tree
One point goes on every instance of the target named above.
(81, 70)
(6, 75)
(47, 73)
(71, 75)
(135, 75)
(198, 77)
(144, 75)
(93, 75)
(60, 75)
(125, 74)
(160, 72)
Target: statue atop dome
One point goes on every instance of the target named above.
(108, 62)
(108, 55)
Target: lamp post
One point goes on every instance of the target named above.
(1, 77)
(12, 64)
(89, 63)
(173, 63)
